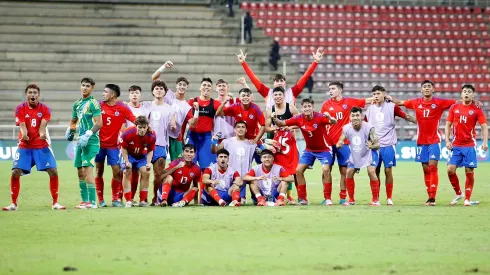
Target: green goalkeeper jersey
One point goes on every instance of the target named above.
(85, 109)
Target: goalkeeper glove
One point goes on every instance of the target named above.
(69, 134)
(83, 140)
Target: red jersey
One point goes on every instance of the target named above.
(287, 156)
(32, 118)
(464, 118)
(113, 118)
(428, 114)
(184, 176)
(207, 110)
(138, 146)
(314, 131)
(340, 110)
(253, 116)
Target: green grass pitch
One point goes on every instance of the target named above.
(408, 238)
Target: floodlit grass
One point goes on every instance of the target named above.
(408, 238)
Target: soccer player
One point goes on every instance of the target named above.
(179, 175)
(32, 117)
(287, 156)
(114, 117)
(381, 115)
(241, 152)
(280, 80)
(428, 111)
(224, 124)
(312, 125)
(462, 119)
(222, 183)
(86, 113)
(364, 147)
(137, 146)
(268, 181)
(339, 108)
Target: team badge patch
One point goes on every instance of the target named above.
(251, 116)
(39, 114)
(192, 175)
(344, 106)
(116, 113)
(433, 106)
(315, 126)
(471, 112)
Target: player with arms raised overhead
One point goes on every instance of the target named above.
(290, 94)
(222, 182)
(381, 115)
(339, 108)
(312, 125)
(32, 117)
(462, 120)
(137, 146)
(178, 178)
(114, 117)
(86, 114)
(364, 145)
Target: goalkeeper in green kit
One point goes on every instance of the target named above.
(86, 114)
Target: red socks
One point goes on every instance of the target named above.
(374, 189)
(470, 181)
(389, 190)
(215, 195)
(14, 188)
(327, 190)
(99, 186)
(53, 187)
(116, 187)
(135, 176)
(190, 196)
(434, 181)
(235, 196)
(302, 194)
(343, 194)
(128, 196)
(165, 191)
(453, 178)
(143, 195)
(427, 179)
(351, 185)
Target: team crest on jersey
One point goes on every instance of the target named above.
(116, 113)
(192, 175)
(251, 116)
(344, 106)
(315, 126)
(39, 114)
(471, 112)
(433, 106)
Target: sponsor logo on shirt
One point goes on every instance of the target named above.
(27, 116)
(457, 111)
(331, 109)
(420, 106)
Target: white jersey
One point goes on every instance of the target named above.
(268, 185)
(288, 98)
(383, 119)
(225, 179)
(182, 109)
(160, 117)
(137, 111)
(225, 124)
(241, 154)
(360, 154)
(169, 97)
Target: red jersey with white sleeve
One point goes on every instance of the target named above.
(183, 177)
(113, 118)
(464, 118)
(313, 130)
(136, 145)
(253, 116)
(32, 117)
(340, 110)
(428, 114)
(207, 111)
(287, 156)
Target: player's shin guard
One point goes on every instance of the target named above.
(434, 181)
(343, 194)
(327, 190)
(351, 186)
(53, 188)
(14, 188)
(214, 194)
(127, 194)
(116, 187)
(190, 196)
(389, 190)
(374, 189)
(164, 192)
(427, 179)
(143, 195)
(453, 179)
(235, 195)
(470, 182)
(302, 193)
(92, 198)
(289, 192)
(99, 186)
(134, 182)
(83, 190)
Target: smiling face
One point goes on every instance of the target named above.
(278, 97)
(307, 108)
(427, 90)
(222, 89)
(188, 154)
(267, 160)
(142, 129)
(245, 98)
(356, 119)
(206, 89)
(32, 96)
(86, 88)
(181, 87)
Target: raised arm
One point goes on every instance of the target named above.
(373, 142)
(243, 82)
(157, 73)
(216, 147)
(261, 88)
(298, 88)
(220, 111)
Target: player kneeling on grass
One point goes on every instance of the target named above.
(137, 146)
(364, 145)
(268, 181)
(176, 188)
(462, 119)
(222, 183)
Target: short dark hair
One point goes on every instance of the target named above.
(266, 152)
(88, 80)
(221, 81)
(307, 100)
(378, 88)
(241, 122)
(114, 88)
(337, 83)
(182, 79)
(278, 89)
(278, 77)
(141, 120)
(245, 90)
(158, 83)
(189, 146)
(134, 88)
(207, 79)
(356, 109)
(33, 86)
(427, 81)
(468, 86)
(222, 151)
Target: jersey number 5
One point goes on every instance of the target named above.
(283, 141)
(108, 120)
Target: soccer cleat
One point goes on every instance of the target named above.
(129, 204)
(222, 202)
(135, 203)
(82, 205)
(117, 204)
(280, 203)
(432, 202)
(179, 204)
(58, 206)
(456, 199)
(427, 202)
(303, 202)
(262, 203)
(342, 201)
(11, 207)
(143, 204)
(290, 201)
(349, 203)
(90, 206)
(389, 202)
(102, 204)
(327, 202)
(164, 203)
(235, 204)
(243, 200)
(375, 203)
